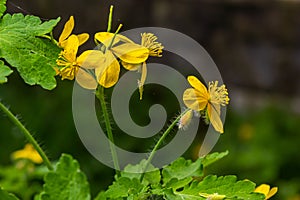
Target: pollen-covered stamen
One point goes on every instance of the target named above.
(149, 41)
(218, 95)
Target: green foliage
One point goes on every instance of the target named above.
(181, 169)
(2, 7)
(66, 182)
(23, 178)
(4, 72)
(182, 179)
(23, 45)
(211, 158)
(7, 196)
(226, 186)
(135, 171)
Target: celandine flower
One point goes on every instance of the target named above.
(199, 98)
(155, 48)
(265, 189)
(28, 153)
(68, 28)
(117, 46)
(71, 65)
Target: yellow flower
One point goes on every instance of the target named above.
(117, 46)
(28, 153)
(199, 98)
(155, 49)
(265, 189)
(68, 28)
(72, 66)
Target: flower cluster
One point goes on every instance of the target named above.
(101, 66)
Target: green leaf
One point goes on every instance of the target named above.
(33, 56)
(4, 72)
(124, 187)
(66, 182)
(181, 169)
(135, 171)
(2, 7)
(7, 196)
(211, 158)
(223, 187)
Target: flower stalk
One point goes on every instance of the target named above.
(100, 95)
(160, 141)
(27, 134)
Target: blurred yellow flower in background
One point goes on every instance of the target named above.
(28, 153)
(265, 189)
(200, 98)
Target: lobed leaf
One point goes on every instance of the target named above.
(181, 169)
(223, 187)
(135, 171)
(20, 45)
(66, 182)
(211, 158)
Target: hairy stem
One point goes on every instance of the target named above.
(100, 96)
(27, 134)
(160, 141)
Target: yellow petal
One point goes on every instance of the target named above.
(131, 53)
(108, 72)
(194, 100)
(71, 48)
(131, 67)
(272, 192)
(68, 28)
(90, 59)
(83, 37)
(106, 37)
(143, 79)
(263, 188)
(195, 83)
(213, 111)
(86, 80)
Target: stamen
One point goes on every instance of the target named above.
(218, 95)
(149, 41)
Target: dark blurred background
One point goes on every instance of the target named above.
(256, 46)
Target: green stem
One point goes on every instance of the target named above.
(100, 96)
(110, 18)
(115, 34)
(160, 141)
(27, 134)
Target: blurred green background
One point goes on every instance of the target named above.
(255, 44)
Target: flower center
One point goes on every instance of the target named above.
(149, 41)
(218, 95)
